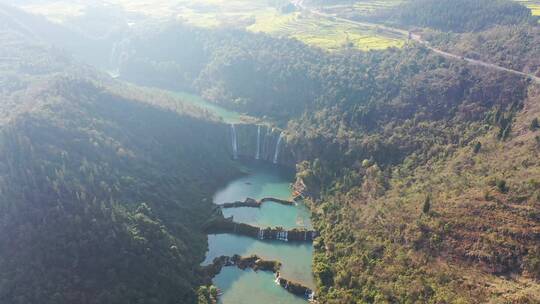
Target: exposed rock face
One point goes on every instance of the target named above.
(302, 189)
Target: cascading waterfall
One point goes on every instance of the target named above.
(258, 154)
(265, 144)
(278, 145)
(234, 141)
(282, 236)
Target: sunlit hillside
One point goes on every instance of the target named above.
(275, 17)
(269, 151)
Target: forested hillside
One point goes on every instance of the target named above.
(461, 15)
(93, 49)
(104, 188)
(459, 227)
(514, 47)
(403, 145)
(422, 171)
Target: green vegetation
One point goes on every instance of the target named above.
(373, 133)
(272, 17)
(207, 295)
(103, 187)
(329, 34)
(462, 15)
(534, 124)
(514, 47)
(427, 205)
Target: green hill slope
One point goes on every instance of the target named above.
(104, 188)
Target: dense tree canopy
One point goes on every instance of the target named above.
(104, 188)
(462, 15)
(422, 172)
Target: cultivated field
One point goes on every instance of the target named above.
(254, 15)
(534, 5)
(324, 32)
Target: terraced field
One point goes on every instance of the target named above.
(325, 33)
(254, 15)
(370, 6)
(361, 7)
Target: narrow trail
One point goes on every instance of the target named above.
(417, 38)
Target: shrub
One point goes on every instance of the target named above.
(534, 124)
(477, 147)
(501, 185)
(427, 205)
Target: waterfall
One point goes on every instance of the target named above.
(278, 145)
(261, 234)
(282, 236)
(266, 143)
(258, 154)
(234, 141)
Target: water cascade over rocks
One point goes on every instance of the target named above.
(278, 145)
(258, 154)
(266, 190)
(234, 140)
(258, 142)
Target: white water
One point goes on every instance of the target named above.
(258, 154)
(234, 142)
(278, 145)
(283, 236)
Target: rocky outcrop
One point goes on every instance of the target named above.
(303, 190)
(250, 202)
(294, 287)
(277, 200)
(253, 262)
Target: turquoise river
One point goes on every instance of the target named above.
(246, 286)
(261, 180)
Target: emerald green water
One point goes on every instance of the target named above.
(264, 180)
(247, 286)
(226, 115)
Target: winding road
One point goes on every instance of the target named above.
(299, 4)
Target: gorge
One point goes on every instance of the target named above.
(251, 205)
(145, 159)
